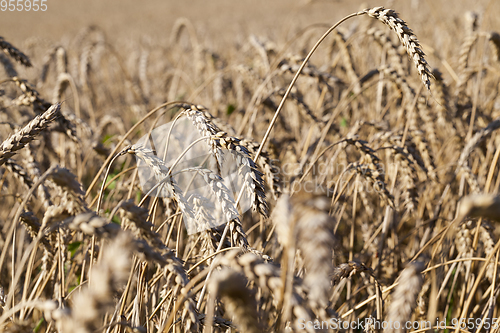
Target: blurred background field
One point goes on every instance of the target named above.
(225, 20)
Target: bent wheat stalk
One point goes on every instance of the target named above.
(407, 38)
(389, 18)
(130, 131)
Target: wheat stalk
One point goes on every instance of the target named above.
(292, 65)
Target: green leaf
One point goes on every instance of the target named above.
(106, 138)
(113, 183)
(343, 122)
(230, 108)
(39, 325)
(78, 282)
(116, 220)
(73, 247)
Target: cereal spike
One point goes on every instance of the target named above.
(28, 133)
(17, 55)
(390, 18)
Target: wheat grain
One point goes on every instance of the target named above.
(247, 168)
(34, 171)
(308, 114)
(463, 239)
(442, 95)
(385, 42)
(347, 58)
(477, 139)
(471, 22)
(463, 56)
(217, 186)
(487, 239)
(19, 172)
(49, 255)
(267, 276)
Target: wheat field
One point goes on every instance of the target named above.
(363, 189)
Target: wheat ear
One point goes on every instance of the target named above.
(390, 18)
(404, 298)
(239, 301)
(14, 53)
(22, 137)
(480, 205)
(494, 38)
(161, 172)
(110, 274)
(218, 141)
